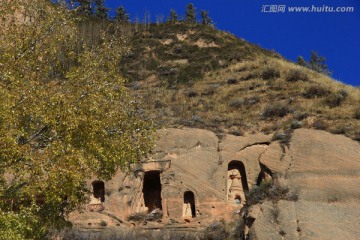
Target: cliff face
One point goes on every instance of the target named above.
(324, 169)
(195, 178)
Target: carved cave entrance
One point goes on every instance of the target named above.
(99, 190)
(237, 182)
(152, 190)
(189, 204)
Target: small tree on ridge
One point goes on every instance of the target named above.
(191, 13)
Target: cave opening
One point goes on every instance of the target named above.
(237, 185)
(189, 204)
(99, 190)
(152, 190)
(239, 166)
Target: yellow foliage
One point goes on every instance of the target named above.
(65, 114)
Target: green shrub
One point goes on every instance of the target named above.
(296, 75)
(103, 224)
(270, 73)
(236, 131)
(283, 137)
(231, 81)
(238, 231)
(339, 129)
(236, 103)
(282, 233)
(209, 91)
(335, 99)
(216, 231)
(315, 91)
(343, 92)
(189, 73)
(271, 190)
(300, 115)
(137, 217)
(357, 113)
(295, 124)
(258, 193)
(357, 136)
(191, 93)
(252, 100)
(320, 125)
(249, 76)
(276, 110)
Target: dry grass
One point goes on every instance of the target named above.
(357, 113)
(220, 104)
(296, 74)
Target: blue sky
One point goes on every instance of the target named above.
(334, 35)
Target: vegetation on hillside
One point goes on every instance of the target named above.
(316, 63)
(182, 53)
(194, 75)
(256, 92)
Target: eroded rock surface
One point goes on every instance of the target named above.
(324, 166)
(195, 178)
(325, 171)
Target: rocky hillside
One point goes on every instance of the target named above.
(197, 76)
(182, 53)
(254, 107)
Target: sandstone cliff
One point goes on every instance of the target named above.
(322, 169)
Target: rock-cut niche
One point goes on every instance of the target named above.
(152, 190)
(189, 204)
(237, 182)
(99, 190)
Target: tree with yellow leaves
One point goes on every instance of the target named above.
(65, 116)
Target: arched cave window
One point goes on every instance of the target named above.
(238, 199)
(99, 190)
(152, 190)
(189, 204)
(237, 182)
(241, 168)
